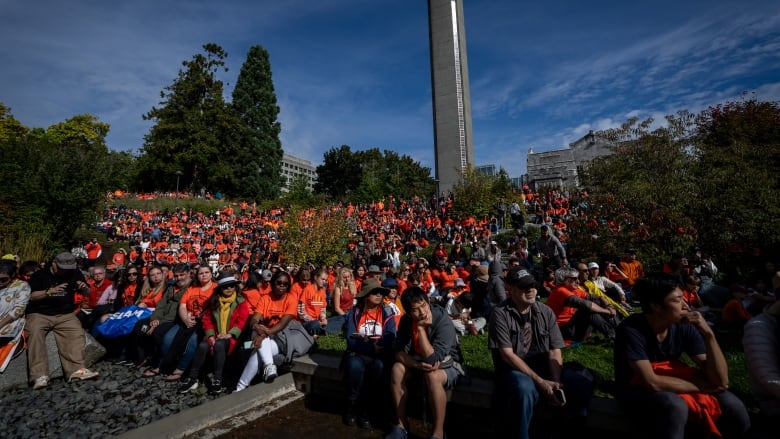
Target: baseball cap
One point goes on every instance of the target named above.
(370, 285)
(520, 277)
(592, 265)
(267, 274)
(65, 261)
(630, 250)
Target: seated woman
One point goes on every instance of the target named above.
(344, 291)
(273, 314)
(224, 318)
(370, 331)
(14, 296)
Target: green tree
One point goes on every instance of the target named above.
(299, 194)
(339, 174)
(640, 194)
(474, 194)
(370, 175)
(738, 155)
(258, 161)
(60, 178)
(194, 130)
(121, 170)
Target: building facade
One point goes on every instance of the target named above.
(452, 132)
(293, 167)
(560, 168)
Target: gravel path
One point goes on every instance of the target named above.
(118, 400)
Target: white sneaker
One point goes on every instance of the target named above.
(269, 373)
(82, 374)
(41, 382)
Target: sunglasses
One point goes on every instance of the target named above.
(132, 274)
(282, 284)
(4, 279)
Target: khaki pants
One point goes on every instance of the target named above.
(69, 336)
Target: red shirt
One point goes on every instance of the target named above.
(563, 313)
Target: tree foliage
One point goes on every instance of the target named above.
(194, 130)
(258, 159)
(60, 176)
(371, 175)
(478, 194)
(706, 179)
(318, 235)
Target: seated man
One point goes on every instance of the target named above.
(665, 396)
(761, 341)
(52, 308)
(578, 312)
(426, 345)
(526, 343)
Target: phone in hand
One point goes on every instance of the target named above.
(560, 396)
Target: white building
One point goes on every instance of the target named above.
(293, 167)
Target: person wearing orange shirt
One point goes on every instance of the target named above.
(274, 313)
(633, 270)
(94, 250)
(447, 279)
(312, 301)
(119, 258)
(576, 312)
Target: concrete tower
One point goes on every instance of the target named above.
(452, 133)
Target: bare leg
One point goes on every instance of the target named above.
(436, 380)
(398, 377)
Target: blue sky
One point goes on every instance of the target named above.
(356, 72)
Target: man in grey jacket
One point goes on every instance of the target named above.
(426, 345)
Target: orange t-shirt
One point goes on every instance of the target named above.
(314, 300)
(272, 308)
(195, 298)
(563, 313)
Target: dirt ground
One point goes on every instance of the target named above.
(319, 417)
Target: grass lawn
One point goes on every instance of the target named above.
(595, 354)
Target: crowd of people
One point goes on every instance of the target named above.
(224, 309)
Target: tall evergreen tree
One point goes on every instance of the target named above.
(258, 158)
(193, 131)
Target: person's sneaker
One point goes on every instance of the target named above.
(41, 382)
(350, 419)
(82, 374)
(269, 373)
(188, 385)
(397, 432)
(215, 385)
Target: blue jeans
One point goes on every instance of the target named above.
(335, 324)
(363, 375)
(189, 351)
(521, 397)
